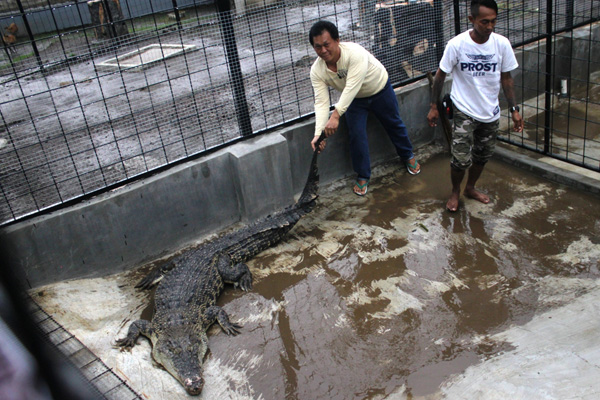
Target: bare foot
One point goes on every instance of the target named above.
(452, 204)
(473, 193)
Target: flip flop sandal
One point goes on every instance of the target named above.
(413, 166)
(364, 185)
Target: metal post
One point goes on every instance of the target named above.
(570, 6)
(177, 16)
(439, 30)
(457, 17)
(30, 34)
(235, 69)
(548, 101)
(109, 19)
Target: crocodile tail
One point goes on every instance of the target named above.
(309, 194)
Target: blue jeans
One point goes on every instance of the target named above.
(385, 107)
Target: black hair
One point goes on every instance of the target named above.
(320, 26)
(475, 4)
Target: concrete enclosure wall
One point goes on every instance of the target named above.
(171, 210)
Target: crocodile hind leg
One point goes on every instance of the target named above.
(238, 274)
(155, 276)
(216, 313)
(137, 328)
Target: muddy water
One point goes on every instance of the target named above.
(384, 296)
(391, 294)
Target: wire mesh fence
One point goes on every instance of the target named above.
(559, 92)
(97, 93)
(105, 382)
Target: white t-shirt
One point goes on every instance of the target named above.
(476, 72)
(359, 74)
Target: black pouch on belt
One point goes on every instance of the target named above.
(448, 107)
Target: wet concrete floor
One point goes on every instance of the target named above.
(389, 296)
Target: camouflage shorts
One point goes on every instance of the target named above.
(472, 141)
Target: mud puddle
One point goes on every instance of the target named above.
(386, 296)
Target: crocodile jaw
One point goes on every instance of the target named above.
(182, 357)
(193, 385)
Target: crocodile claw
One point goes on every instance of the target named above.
(125, 343)
(137, 328)
(232, 329)
(246, 282)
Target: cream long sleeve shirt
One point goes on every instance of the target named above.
(359, 74)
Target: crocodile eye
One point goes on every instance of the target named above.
(193, 349)
(173, 347)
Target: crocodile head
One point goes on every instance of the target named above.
(182, 355)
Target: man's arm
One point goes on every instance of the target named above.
(322, 119)
(332, 123)
(508, 87)
(436, 92)
(330, 128)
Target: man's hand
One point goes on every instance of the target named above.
(436, 90)
(506, 80)
(433, 115)
(314, 142)
(332, 124)
(517, 122)
(331, 127)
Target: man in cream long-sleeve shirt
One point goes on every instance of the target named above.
(365, 86)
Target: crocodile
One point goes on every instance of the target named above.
(189, 285)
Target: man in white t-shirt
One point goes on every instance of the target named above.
(480, 62)
(365, 86)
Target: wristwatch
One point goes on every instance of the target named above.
(515, 108)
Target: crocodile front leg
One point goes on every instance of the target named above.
(216, 313)
(238, 274)
(137, 328)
